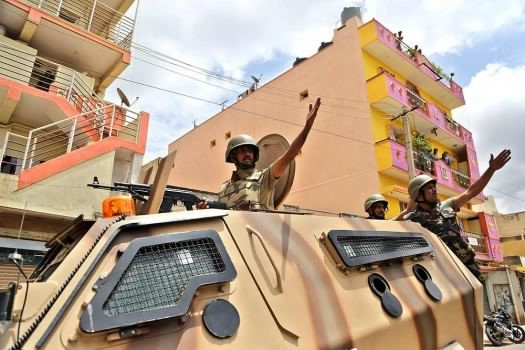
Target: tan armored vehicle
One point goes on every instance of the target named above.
(207, 279)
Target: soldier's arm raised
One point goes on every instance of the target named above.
(473, 190)
(279, 166)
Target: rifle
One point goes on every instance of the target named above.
(171, 195)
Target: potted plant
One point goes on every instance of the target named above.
(423, 151)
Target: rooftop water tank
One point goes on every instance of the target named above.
(349, 12)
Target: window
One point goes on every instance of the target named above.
(413, 95)
(303, 94)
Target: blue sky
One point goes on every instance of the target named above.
(482, 42)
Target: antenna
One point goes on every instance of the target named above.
(255, 81)
(223, 103)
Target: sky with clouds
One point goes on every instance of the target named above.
(482, 42)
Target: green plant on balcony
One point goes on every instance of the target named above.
(439, 71)
(423, 152)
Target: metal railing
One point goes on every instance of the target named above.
(12, 153)
(46, 75)
(93, 16)
(415, 55)
(415, 100)
(461, 179)
(62, 137)
(452, 125)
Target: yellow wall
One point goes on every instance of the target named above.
(381, 122)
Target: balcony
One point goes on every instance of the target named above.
(19, 152)
(382, 44)
(392, 159)
(387, 94)
(88, 34)
(453, 181)
(95, 17)
(390, 96)
(433, 122)
(47, 78)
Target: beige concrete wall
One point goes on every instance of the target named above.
(511, 224)
(337, 167)
(65, 193)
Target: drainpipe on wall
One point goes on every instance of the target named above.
(518, 320)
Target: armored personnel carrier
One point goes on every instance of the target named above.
(207, 279)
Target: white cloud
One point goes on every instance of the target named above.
(449, 25)
(495, 113)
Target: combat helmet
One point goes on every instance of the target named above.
(373, 199)
(241, 140)
(416, 184)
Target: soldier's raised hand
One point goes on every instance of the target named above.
(310, 117)
(501, 159)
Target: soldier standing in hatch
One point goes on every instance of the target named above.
(376, 207)
(249, 188)
(440, 218)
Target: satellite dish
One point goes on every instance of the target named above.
(272, 147)
(123, 98)
(255, 79)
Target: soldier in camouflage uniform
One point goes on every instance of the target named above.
(440, 218)
(376, 207)
(249, 188)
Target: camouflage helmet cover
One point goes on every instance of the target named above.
(373, 199)
(416, 184)
(238, 141)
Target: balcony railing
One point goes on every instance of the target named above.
(45, 75)
(12, 153)
(415, 100)
(477, 241)
(62, 137)
(93, 16)
(441, 119)
(461, 179)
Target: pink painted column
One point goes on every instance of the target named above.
(490, 230)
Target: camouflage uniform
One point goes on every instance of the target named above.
(249, 189)
(441, 220)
